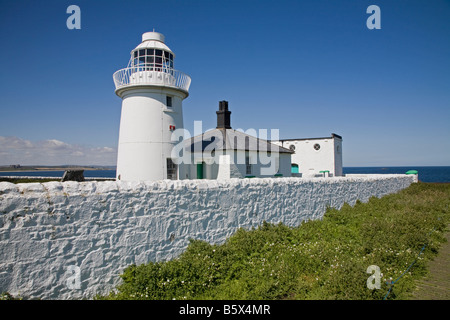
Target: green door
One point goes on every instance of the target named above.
(200, 170)
(294, 168)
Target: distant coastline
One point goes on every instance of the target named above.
(53, 168)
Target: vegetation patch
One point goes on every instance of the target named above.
(320, 259)
(42, 180)
(27, 180)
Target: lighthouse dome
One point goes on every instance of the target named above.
(153, 40)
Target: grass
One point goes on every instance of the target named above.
(320, 259)
(27, 180)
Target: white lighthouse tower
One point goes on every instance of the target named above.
(152, 92)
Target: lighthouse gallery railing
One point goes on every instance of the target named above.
(151, 76)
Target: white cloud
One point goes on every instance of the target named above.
(14, 150)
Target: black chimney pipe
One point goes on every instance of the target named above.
(223, 116)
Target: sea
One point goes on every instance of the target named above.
(426, 174)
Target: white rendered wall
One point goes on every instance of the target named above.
(338, 163)
(145, 135)
(99, 228)
(311, 161)
(259, 169)
(237, 167)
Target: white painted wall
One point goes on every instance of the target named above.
(102, 227)
(237, 167)
(311, 161)
(338, 162)
(144, 135)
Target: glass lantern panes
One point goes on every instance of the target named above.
(152, 60)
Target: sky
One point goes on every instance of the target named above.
(307, 68)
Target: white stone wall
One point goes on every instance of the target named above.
(49, 231)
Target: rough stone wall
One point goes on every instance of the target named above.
(57, 233)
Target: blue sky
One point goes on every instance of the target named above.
(308, 68)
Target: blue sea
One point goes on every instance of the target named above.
(426, 174)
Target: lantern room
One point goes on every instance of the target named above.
(151, 64)
(152, 54)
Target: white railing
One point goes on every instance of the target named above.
(151, 76)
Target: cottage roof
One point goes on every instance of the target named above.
(230, 139)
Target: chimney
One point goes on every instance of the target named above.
(223, 116)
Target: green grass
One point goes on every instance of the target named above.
(320, 259)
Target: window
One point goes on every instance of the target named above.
(248, 166)
(169, 101)
(152, 59)
(317, 147)
(158, 63)
(171, 170)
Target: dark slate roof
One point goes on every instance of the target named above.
(230, 139)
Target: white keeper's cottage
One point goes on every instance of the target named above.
(225, 153)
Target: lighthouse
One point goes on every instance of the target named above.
(152, 93)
